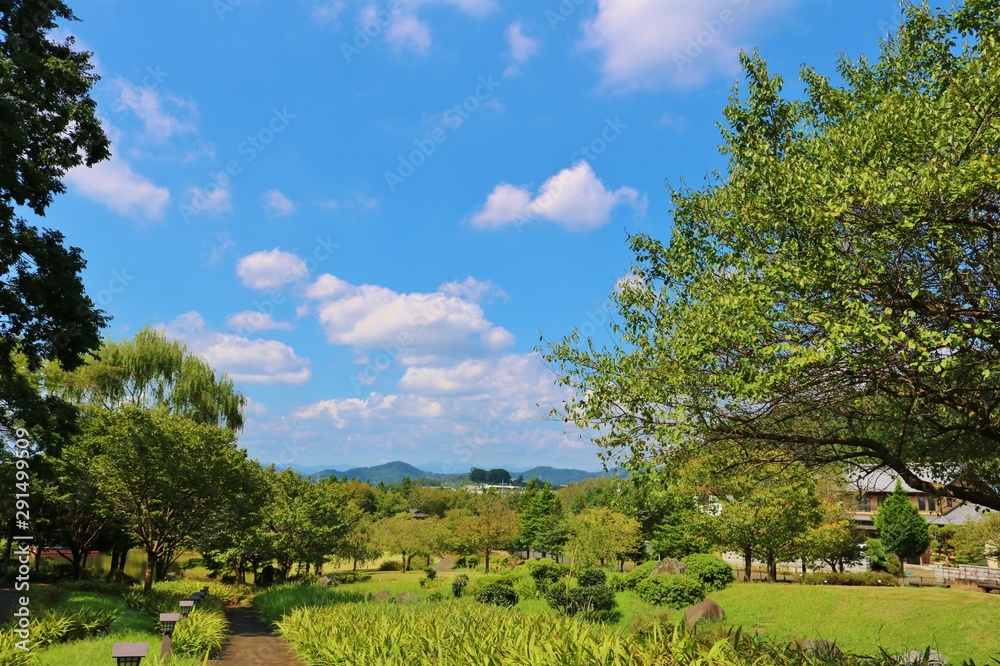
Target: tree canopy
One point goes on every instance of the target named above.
(834, 296)
(49, 126)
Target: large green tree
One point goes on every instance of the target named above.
(834, 296)
(49, 126)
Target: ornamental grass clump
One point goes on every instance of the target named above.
(201, 632)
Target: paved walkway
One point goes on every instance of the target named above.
(445, 563)
(251, 643)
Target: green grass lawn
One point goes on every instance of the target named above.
(960, 624)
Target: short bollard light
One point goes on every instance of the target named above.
(186, 607)
(129, 654)
(168, 621)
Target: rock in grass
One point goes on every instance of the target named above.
(817, 646)
(707, 610)
(406, 597)
(669, 566)
(916, 658)
(384, 595)
(324, 581)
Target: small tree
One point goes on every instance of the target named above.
(900, 526)
(490, 525)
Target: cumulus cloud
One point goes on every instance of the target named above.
(342, 411)
(655, 43)
(271, 269)
(404, 29)
(477, 291)
(114, 184)
(246, 361)
(276, 204)
(161, 114)
(444, 323)
(574, 198)
(252, 321)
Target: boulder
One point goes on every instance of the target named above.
(817, 646)
(706, 610)
(916, 658)
(324, 581)
(384, 595)
(406, 597)
(669, 566)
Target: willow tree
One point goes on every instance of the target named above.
(150, 371)
(834, 296)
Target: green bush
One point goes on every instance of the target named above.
(526, 588)
(868, 578)
(616, 581)
(545, 572)
(391, 565)
(711, 570)
(11, 655)
(472, 561)
(671, 591)
(497, 593)
(592, 576)
(347, 577)
(431, 573)
(201, 632)
(635, 576)
(458, 584)
(591, 601)
(53, 627)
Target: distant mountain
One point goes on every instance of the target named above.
(394, 472)
(312, 469)
(558, 477)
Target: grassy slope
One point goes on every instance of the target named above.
(961, 624)
(128, 627)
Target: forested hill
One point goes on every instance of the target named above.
(394, 472)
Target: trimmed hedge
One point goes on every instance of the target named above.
(671, 591)
(868, 578)
(497, 593)
(711, 570)
(592, 576)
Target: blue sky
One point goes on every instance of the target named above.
(367, 213)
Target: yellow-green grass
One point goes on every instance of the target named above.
(961, 624)
(128, 627)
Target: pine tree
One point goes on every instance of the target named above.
(900, 526)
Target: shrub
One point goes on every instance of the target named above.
(526, 588)
(458, 584)
(431, 573)
(545, 573)
(472, 561)
(11, 655)
(868, 578)
(592, 576)
(277, 602)
(635, 576)
(711, 570)
(671, 590)
(201, 632)
(53, 627)
(347, 577)
(391, 565)
(497, 593)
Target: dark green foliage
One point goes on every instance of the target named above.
(430, 572)
(346, 577)
(592, 601)
(390, 565)
(63, 626)
(867, 578)
(497, 593)
(711, 570)
(671, 591)
(672, 541)
(458, 584)
(638, 574)
(545, 573)
(901, 528)
(592, 576)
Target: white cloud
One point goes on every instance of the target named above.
(654, 43)
(252, 321)
(343, 410)
(408, 32)
(246, 361)
(520, 47)
(328, 13)
(160, 114)
(215, 201)
(420, 326)
(574, 198)
(277, 204)
(271, 269)
(477, 291)
(404, 30)
(114, 184)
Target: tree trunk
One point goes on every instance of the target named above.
(404, 560)
(486, 560)
(152, 559)
(747, 565)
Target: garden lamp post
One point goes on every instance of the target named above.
(168, 621)
(186, 607)
(129, 654)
